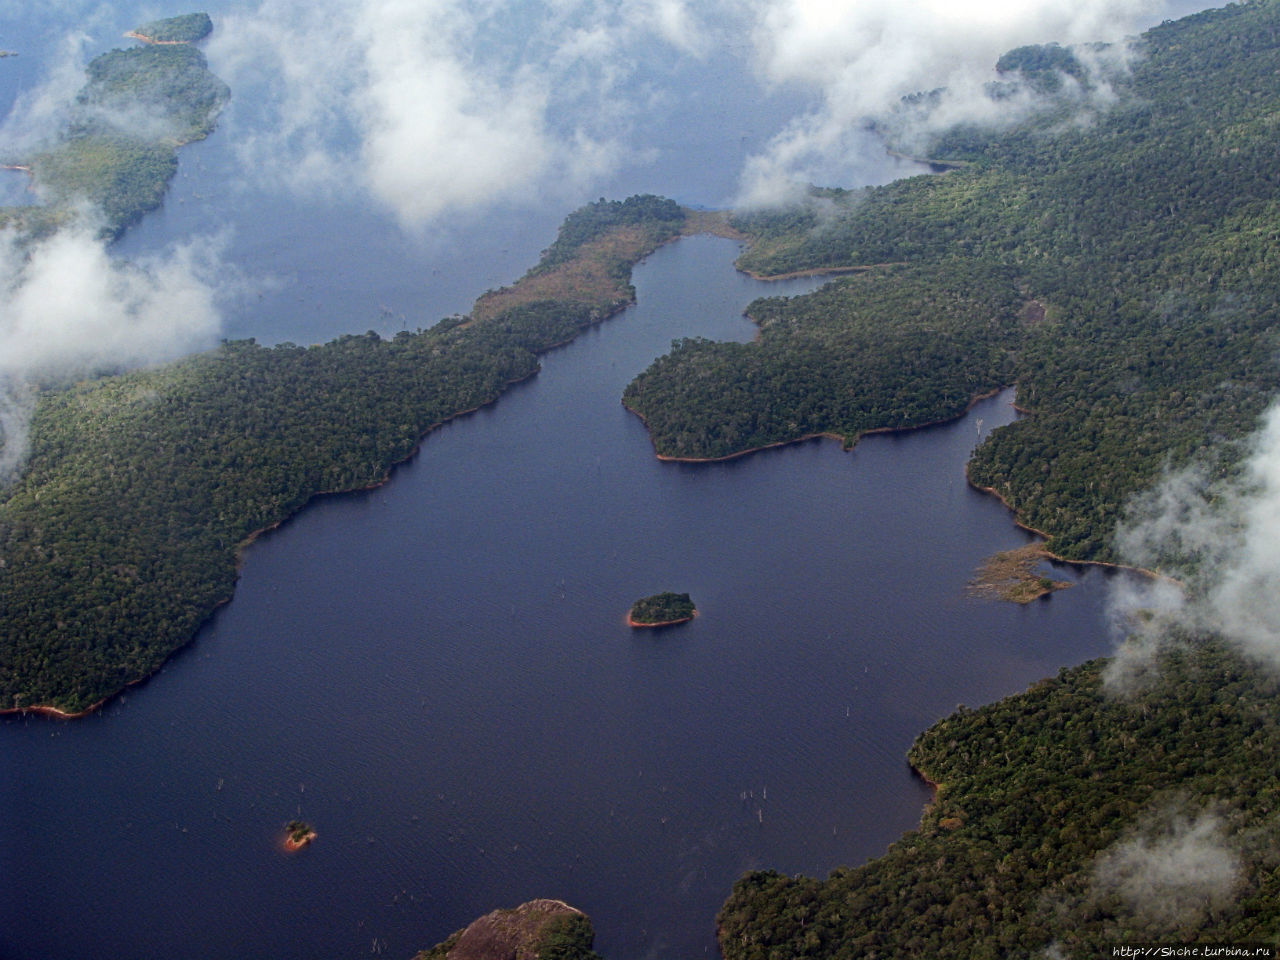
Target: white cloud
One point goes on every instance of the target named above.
(1173, 873)
(440, 106)
(862, 58)
(39, 113)
(1220, 535)
(68, 309)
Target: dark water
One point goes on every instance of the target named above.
(437, 674)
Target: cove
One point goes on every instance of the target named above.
(438, 676)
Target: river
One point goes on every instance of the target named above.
(437, 674)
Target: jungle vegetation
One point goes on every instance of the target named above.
(1142, 242)
(120, 536)
(1068, 818)
(118, 148)
(188, 28)
(662, 608)
(1116, 258)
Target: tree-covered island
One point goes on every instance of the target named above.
(118, 149)
(188, 28)
(662, 610)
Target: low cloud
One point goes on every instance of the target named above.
(861, 59)
(1175, 871)
(67, 310)
(1217, 529)
(40, 113)
(440, 107)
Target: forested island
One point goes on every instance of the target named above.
(662, 610)
(118, 149)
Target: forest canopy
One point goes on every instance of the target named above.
(118, 149)
(1121, 269)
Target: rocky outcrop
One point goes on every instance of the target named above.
(532, 931)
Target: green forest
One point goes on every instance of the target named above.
(1122, 270)
(118, 149)
(121, 535)
(1068, 819)
(662, 608)
(1128, 265)
(188, 28)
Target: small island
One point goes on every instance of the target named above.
(1014, 575)
(662, 610)
(299, 835)
(188, 28)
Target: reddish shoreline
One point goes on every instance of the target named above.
(292, 845)
(134, 35)
(662, 623)
(48, 711)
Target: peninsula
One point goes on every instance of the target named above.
(107, 573)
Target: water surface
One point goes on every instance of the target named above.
(437, 675)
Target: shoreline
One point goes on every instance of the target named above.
(814, 272)
(1049, 554)
(134, 35)
(57, 713)
(662, 623)
(976, 399)
(54, 712)
(292, 846)
(826, 435)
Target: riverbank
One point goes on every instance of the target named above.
(510, 344)
(825, 435)
(640, 624)
(134, 35)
